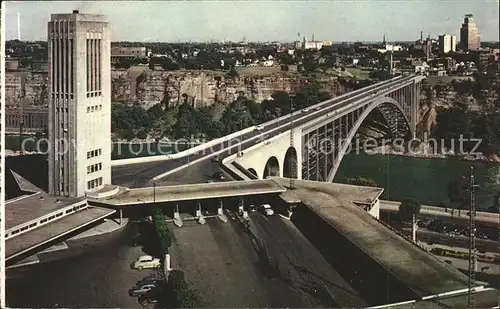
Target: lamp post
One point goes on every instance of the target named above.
(154, 192)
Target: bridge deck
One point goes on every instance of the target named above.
(24, 242)
(417, 269)
(195, 192)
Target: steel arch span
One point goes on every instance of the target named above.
(325, 146)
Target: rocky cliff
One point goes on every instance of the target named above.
(148, 87)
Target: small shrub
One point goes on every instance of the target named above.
(180, 295)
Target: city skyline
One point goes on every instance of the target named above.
(263, 20)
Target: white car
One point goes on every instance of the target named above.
(146, 261)
(305, 110)
(259, 127)
(267, 209)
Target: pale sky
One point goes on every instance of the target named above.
(334, 20)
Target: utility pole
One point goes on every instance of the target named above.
(154, 192)
(21, 112)
(292, 168)
(472, 239)
(202, 84)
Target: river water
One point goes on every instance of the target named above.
(401, 177)
(424, 179)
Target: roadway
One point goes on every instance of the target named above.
(486, 218)
(297, 261)
(456, 241)
(194, 192)
(141, 174)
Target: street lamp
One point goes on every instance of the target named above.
(154, 192)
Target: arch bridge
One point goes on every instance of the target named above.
(313, 148)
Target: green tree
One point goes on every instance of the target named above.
(360, 181)
(458, 193)
(409, 209)
(453, 123)
(236, 117)
(142, 134)
(162, 231)
(164, 125)
(232, 73)
(180, 295)
(186, 123)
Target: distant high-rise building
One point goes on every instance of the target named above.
(447, 43)
(469, 34)
(427, 47)
(79, 127)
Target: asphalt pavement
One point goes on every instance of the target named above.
(296, 261)
(94, 274)
(269, 265)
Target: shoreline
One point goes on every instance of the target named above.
(427, 155)
(9, 152)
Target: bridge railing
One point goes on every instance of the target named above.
(244, 170)
(340, 97)
(183, 153)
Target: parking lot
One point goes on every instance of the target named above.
(98, 275)
(263, 262)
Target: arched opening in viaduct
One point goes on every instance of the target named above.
(290, 163)
(272, 167)
(254, 172)
(384, 123)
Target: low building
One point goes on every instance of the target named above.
(33, 119)
(11, 64)
(421, 67)
(128, 52)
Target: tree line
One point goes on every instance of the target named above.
(130, 121)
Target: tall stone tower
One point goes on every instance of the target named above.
(79, 127)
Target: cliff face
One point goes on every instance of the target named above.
(148, 87)
(201, 88)
(27, 87)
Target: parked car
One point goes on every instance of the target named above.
(140, 289)
(259, 127)
(219, 176)
(267, 209)
(146, 261)
(305, 110)
(150, 297)
(148, 280)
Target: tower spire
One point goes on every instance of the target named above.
(383, 42)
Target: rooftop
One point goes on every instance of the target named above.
(30, 207)
(194, 192)
(416, 268)
(18, 245)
